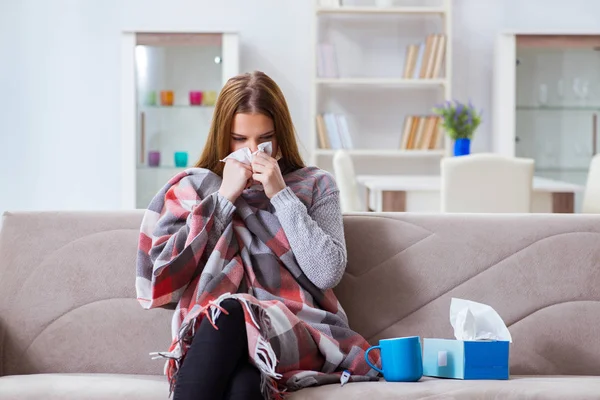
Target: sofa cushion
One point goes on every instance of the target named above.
(84, 386)
(149, 387)
(522, 388)
(67, 296)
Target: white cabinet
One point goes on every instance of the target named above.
(170, 84)
(547, 101)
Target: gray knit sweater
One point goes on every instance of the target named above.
(316, 235)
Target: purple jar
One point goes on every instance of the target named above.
(154, 158)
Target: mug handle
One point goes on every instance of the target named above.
(369, 362)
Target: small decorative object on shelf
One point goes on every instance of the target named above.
(153, 158)
(327, 66)
(150, 98)
(209, 98)
(167, 97)
(460, 122)
(181, 159)
(195, 98)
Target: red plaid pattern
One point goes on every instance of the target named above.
(189, 257)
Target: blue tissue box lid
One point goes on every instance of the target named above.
(447, 358)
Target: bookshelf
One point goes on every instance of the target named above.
(360, 80)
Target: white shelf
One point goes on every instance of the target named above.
(344, 10)
(384, 152)
(350, 30)
(382, 82)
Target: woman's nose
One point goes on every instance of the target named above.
(253, 146)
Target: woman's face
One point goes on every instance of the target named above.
(250, 130)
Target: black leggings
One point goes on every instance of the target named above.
(216, 365)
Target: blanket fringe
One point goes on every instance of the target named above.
(264, 356)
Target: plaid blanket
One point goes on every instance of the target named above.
(298, 335)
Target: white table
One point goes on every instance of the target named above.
(421, 193)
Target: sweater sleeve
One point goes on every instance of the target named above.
(316, 235)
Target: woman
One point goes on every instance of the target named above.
(250, 271)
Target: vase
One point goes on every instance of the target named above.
(209, 98)
(166, 98)
(195, 98)
(181, 159)
(153, 158)
(462, 147)
(150, 99)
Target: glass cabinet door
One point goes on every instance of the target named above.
(557, 104)
(178, 77)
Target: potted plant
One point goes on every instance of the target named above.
(460, 122)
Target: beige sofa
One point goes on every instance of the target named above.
(70, 327)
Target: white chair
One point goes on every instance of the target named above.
(591, 199)
(346, 180)
(486, 183)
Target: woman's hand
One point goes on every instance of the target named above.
(266, 171)
(235, 179)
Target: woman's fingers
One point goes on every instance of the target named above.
(264, 158)
(256, 167)
(259, 178)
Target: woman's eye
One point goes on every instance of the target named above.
(237, 139)
(267, 138)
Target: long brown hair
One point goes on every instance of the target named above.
(250, 93)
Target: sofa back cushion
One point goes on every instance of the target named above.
(540, 272)
(67, 295)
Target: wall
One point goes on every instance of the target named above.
(476, 24)
(59, 138)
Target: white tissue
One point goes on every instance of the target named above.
(245, 157)
(476, 321)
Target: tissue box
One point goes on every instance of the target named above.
(446, 358)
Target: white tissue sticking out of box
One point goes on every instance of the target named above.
(245, 155)
(476, 321)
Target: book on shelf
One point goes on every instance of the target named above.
(408, 123)
(412, 52)
(422, 132)
(419, 61)
(440, 55)
(431, 59)
(322, 133)
(342, 125)
(327, 66)
(425, 60)
(333, 132)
